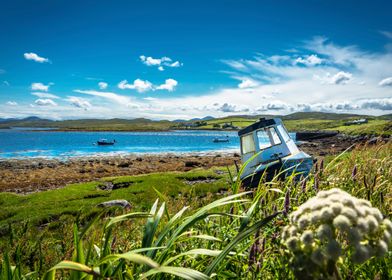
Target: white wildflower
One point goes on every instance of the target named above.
(293, 231)
(333, 250)
(342, 223)
(349, 213)
(326, 214)
(376, 214)
(318, 256)
(332, 224)
(348, 201)
(336, 208)
(362, 225)
(361, 210)
(303, 222)
(372, 223)
(292, 243)
(364, 202)
(323, 194)
(315, 217)
(387, 236)
(382, 248)
(324, 231)
(388, 224)
(307, 237)
(354, 235)
(361, 253)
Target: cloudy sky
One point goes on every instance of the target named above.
(184, 59)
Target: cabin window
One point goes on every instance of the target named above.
(283, 132)
(248, 144)
(274, 136)
(268, 137)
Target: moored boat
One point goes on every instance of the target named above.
(221, 140)
(105, 142)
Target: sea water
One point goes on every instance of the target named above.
(27, 143)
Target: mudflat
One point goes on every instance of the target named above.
(31, 175)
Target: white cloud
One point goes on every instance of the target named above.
(150, 98)
(341, 78)
(102, 85)
(40, 86)
(79, 102)
(387, 34)
(175, 64)
(114, 97)
(12, 103)
(35, 57)
(247, 83)
(310, 60)
(45, 102)
(45, 95)
(386, 82)
(169, 85)
(384, 104)
(138, 84)
(159, 62)
(227, 108)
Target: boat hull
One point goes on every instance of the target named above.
(299, 164)
(105, 143)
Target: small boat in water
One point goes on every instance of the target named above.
(105, 142)
(221, 140)
(268, 150)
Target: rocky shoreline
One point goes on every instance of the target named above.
(24, 176)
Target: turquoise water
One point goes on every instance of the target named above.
(22, 143)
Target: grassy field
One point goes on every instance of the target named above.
(221, 235)
(373, 127)
(41, 207)
(295, 122)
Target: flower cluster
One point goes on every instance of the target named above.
(334, 223)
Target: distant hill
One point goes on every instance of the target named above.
(386, 117)
(321, 116)
(294, 122)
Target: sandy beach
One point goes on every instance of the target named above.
(38, 174)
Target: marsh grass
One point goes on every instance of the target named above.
(199, 234)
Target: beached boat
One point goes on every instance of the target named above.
(220, 140)
(105, 142)
(270, 150)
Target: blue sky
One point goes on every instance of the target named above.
(185, 59)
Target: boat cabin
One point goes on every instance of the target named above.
(270, 146)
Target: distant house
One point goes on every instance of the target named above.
(356, 122)
(229, 126)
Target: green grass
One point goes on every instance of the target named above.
(373, 127)
(42, 207)
(231, 237)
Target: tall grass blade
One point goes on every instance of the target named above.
(204, 252)
(74, 266)
(132, 257)
(152, 224)
(126, 217)
(182, 272)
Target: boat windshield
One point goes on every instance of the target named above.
(268, 137)
(248, 144)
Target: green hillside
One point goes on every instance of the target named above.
(295, 122)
